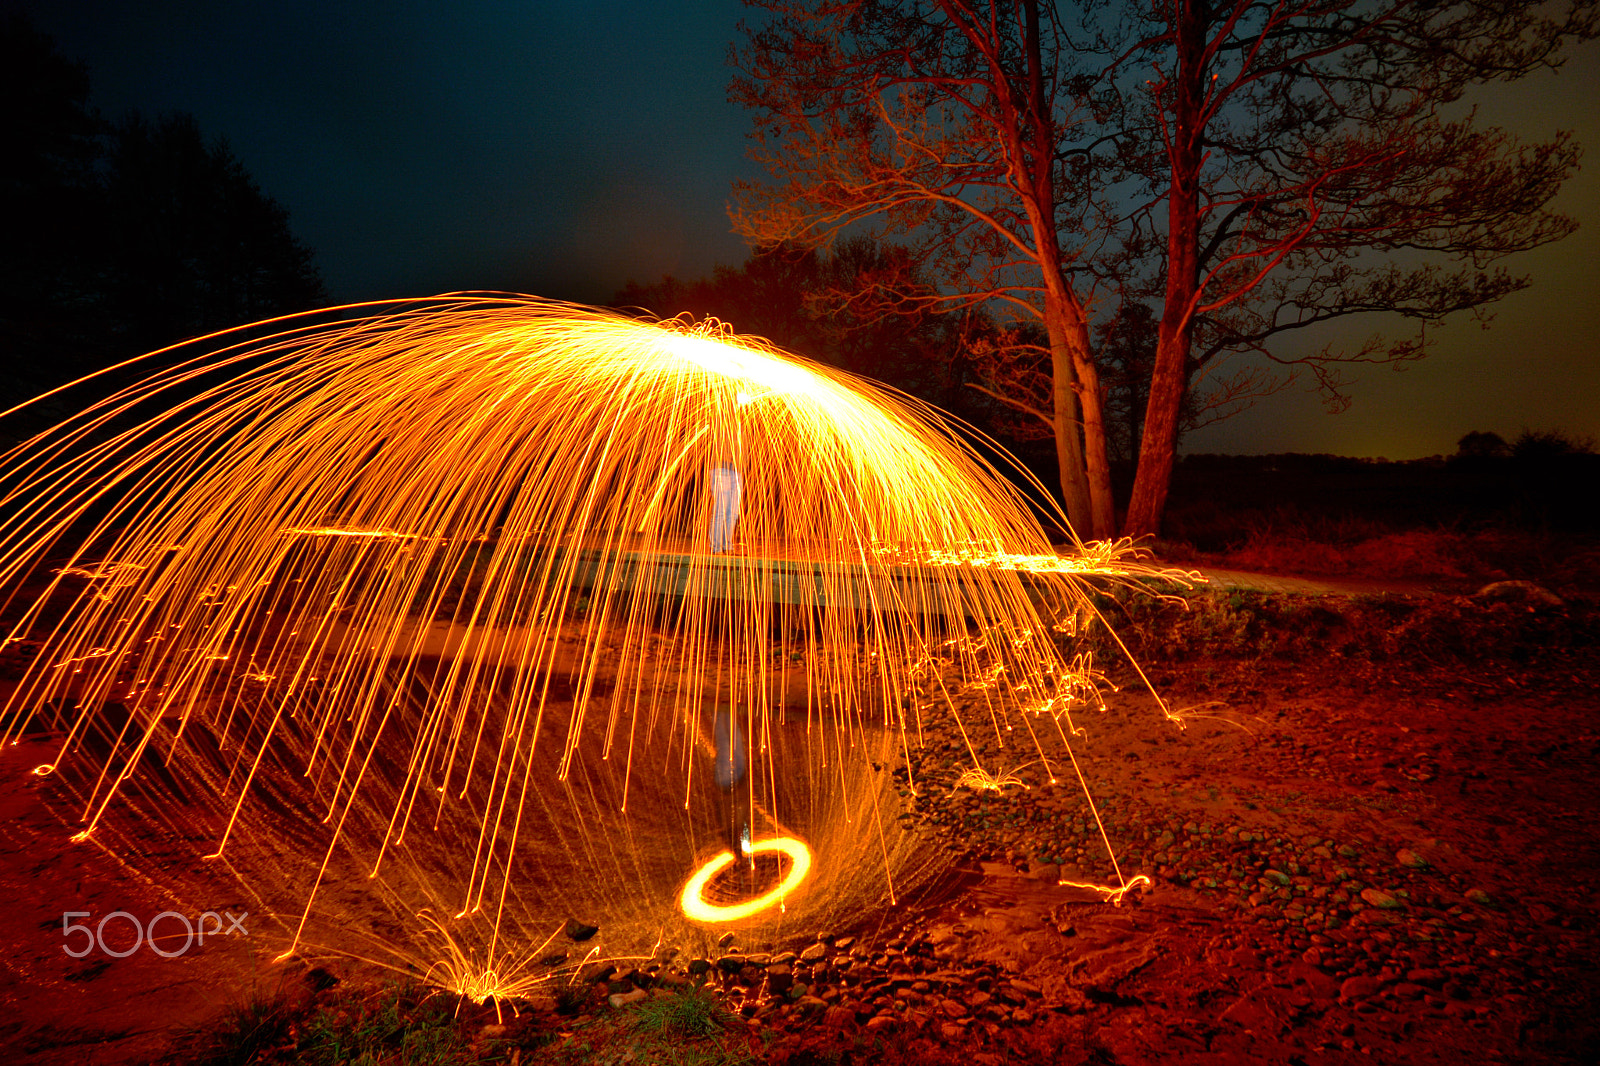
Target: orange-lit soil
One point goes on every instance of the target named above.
(60, 1009)
(1465, 797)
(1489, 955)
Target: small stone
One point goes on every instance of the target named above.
(1410, 859)
(814, 953)
(952, 1008)
(1518, 592)
(724, 940)
(879, 1022)
(579, 931)
(1359, 987)
(838, 1017)
(622, 999)
(1376, 897)
(1276, 876)
(1480, 897)
(699, 966)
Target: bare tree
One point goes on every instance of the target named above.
(1305, 164)
(1255, 169)
(940, 126)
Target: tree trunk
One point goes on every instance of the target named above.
(1091, 400)
(1158, 444)
(1069, 449)
(1075, 386)
(1169, 380)
(1079, 419)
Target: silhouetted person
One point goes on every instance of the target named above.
(726, 482)
(727, 490)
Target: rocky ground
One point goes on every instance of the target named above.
(1358, 856)
(1370, 842)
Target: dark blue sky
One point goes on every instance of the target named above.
(563, 149)
(422, 147)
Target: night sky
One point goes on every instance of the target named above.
(563, 149)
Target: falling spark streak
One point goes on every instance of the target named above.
(438, 579)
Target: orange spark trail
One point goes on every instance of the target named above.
(438, 582)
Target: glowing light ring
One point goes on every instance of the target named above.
(693, 902)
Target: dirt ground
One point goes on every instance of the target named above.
(55, 1008)
(1349, 863)
(1391, 872)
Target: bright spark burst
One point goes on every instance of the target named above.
(440, 577)
(980, 780)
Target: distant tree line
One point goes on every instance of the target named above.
(1529, 446)
(1540, 480)
(123, 236)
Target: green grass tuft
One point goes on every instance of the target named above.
(392, 1032)
(399, 1027)
(688, 1014)
(248, 1032)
